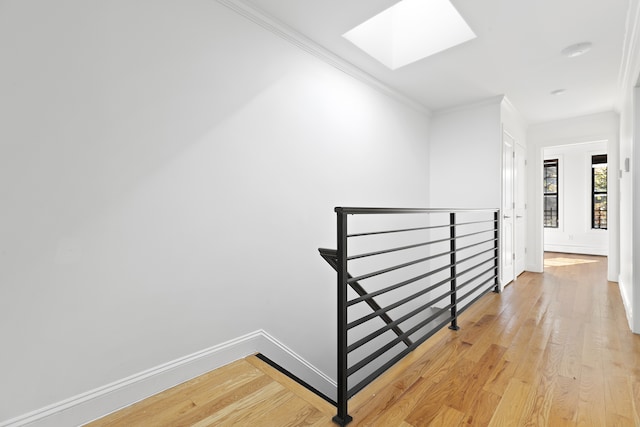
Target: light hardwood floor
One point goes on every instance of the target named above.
(553, 349)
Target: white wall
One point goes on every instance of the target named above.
(632, 281)
(590, 128)
(167, 172)
(629, 209)
(465, 156)
(574, 233)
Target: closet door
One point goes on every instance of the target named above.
(507, 231)
(520, 198)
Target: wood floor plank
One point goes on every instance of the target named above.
(513, 404)
(447, 417)
(564, 403)
(483, 408)
(592, 397)
(500, 377)
(421, 393)
(178, 400)
(294, 412)
(635, 390)
(471, 385)
(539, 406)
(298, 389)
(242, 410)
(211, 406)
(441, 395)
(618, 395)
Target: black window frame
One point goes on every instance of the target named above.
(599, 159)
(546, 194)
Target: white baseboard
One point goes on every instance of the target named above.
(571, 249)
(288, 359)
(104, 400)
(627, 302)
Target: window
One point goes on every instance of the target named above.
(550, 183)
(599, 191)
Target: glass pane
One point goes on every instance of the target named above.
(551, 185)
(600, 211)
(551, 211)
(550, 179)
(600, 178)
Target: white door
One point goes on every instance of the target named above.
(508, 209)
(520, 198)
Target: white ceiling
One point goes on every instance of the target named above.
(516, 53)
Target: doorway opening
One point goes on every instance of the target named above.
(575, 193)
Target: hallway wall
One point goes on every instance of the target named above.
(167, 173)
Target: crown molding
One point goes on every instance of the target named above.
(304, 43)
(494, 100)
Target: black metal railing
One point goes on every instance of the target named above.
(421, 268)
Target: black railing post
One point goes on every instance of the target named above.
(496, 245)
(454, 297)
(342, 418)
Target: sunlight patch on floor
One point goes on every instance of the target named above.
(563, 262)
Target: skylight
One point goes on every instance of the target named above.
(411, 30)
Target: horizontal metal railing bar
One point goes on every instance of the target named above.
(332, 252)
(396, 304)
(395, 267)
(430, 227)
(398, 285)
(463, 272)
(476, 288)
(400, 230)
(460, 261)
(373, 356)
(420, 277)
(476, 277)
(399, 248)
(396, 322)
(470, 303)
(364, 210)
(416, 245)
(461, 236)
(493, 239)
(362, 384)
(484, 221)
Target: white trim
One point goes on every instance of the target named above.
(576, 249)
(497, 100)
(627, 302)
(109, 398)
(287, 358)
(287, 33)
